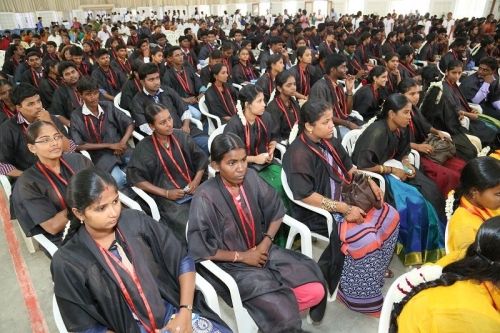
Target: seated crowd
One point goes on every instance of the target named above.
(310, 115)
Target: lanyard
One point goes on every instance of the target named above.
(45, 171)
(53, 83)
(247, 220)
(222, 96)
(375, 93)
(412, 125)
(125, 66)
(341, 106)
(131, 273)
(35, 78)
(304, 81)
(408, 67)
(258, 123)
(335, 156)
(77, 97)
(283, 109)
(271, 84)
(138, 84)
(7, 110)
(458, 93)
(183, 80)
(228, 65)
(249, 74)
(110, 77)
(185, 174)
(92, 130)
(475, 211)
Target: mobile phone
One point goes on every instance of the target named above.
(184, 199)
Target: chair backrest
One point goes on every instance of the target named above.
(400, 287)
(213, 121)
(7, 187)
(116, 102)
(57, 316)
(349, 140)
(212, 136)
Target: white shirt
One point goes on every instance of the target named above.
(388, 25)
(56, 39)
(103, 36)
(448, 25)
(86, 111)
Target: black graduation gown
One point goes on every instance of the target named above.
(267, 85)
(322, 91)
(282, 122)
(6, 113)
(378, 144)
(259, 136)
(444, 117)
(170, 79)
(35, 201)
(205, 74)
(170, 99)
(471, 85)
(14, 148)
(115, 124)
(64, 101)
(368, 103)
(317, 72)
(427, 53)
(420, 126)
(307, 174)
(87, 291)
(304, 84)
(146, 166)
(486, 134)
(112, 88)
(129, 90)
(47, 89)
(241, 74)
(215, 104)
(391, 86)
(31, 77)
(123, 68)
(214, 224)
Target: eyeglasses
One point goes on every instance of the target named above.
(47, 140)
(484, 69)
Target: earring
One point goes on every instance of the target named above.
(81, 221)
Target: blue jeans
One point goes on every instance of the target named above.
(119, 176)
(202, 142)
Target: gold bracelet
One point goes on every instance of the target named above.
(167, 194)
(381, 169)
(328, 205)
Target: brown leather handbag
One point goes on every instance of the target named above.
(359, 193)
(443, 150)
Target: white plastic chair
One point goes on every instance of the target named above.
(116, 103)
(237, 86)
(245, 323)
(61, 327)
(349, 140)
(155, 212)
(218, 131)
(414, 158)
(46, 244)
(8, 191)
(402, 285)
(213, 121)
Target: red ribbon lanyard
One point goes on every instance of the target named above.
(228, 65)
(375, 93)
(92, 130)
(249, 74)
(340, 107)
(35, 78)
(222, 96)
(283, 109)
(412, 126)
(304, 81)
(475, 211)
(335, 156)
(125, 66)
(45, 171)
(271, 84)
(183, 80)
(258, 123)
(108, 257)
(185, 174)
(247, 220)
(110, 77)
(409, 68)
(356, 64)
(53, 83)
(138, 84)
(77, 97)
(7, 110)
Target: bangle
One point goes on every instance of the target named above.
(328, 205)
(381, 169)
(349, 210)
(186, 306)
(269, 236)
(167, 194)
(347, 94)
(236, 256)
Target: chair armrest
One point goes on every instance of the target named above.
(416, 158)
(86, 154)
(197, 123)
(155, 212)
(7, 187)
(282, 149)
(46, 244)
(209, 293)
(137, 135)
(380, 178)
(129, 202)
(305, 234)
(243, 319)
(237, 86)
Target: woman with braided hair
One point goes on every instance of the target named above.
(465, 298)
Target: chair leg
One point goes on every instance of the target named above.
(27, 240)
(291, 237)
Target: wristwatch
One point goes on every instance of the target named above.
(186, 306)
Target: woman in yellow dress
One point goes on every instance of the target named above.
(476, 199)
(465, 298)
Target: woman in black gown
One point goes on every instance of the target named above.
(121, 271)
(233, 220)
(221, 97)
(169, 166)
(369, 98)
